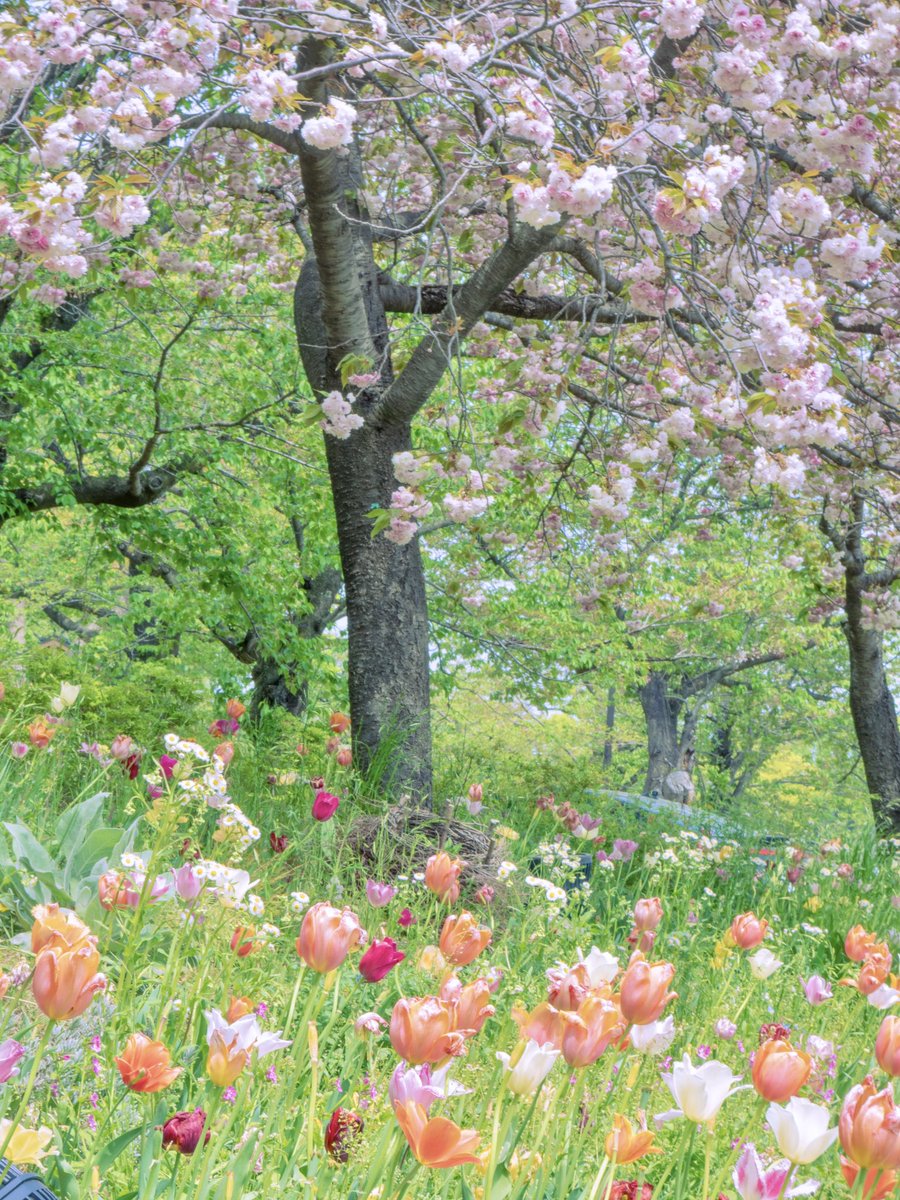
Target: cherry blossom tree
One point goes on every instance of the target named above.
(657, 229)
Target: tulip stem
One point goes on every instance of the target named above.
(294, 996)
(787, 1181)
(706, 1161)
(26, 1095)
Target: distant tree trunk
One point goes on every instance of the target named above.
(610, 725)
(661, 713)
(872, 704)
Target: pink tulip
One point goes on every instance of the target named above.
(188, 886)
(816, 989)
(380, 958)
(379, 894)
(406, 919)
(325, 806)
(11, 1053)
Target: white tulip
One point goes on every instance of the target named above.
(654, 1038)
(602, 967)
(801, 1129)
(884, 996)
(531, 1068)
(764, 963)
(701, 1091)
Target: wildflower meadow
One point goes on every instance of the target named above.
(220, 998)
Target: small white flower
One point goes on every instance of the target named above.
(255, 906)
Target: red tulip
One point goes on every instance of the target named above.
(341, 1131)
(184, 1130)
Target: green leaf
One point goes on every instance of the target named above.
(113, 1149)
(80, 819)
(28, 849)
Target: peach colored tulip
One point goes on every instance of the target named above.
(858, 943)
(338, 722)
(647, 914)
(442, 876)
(238, 1006)
(869, 1127)
(432, 961)
(779, 1070)
(225, 1060)
(875, 969)
(235, 709)
(544, 1024)
(643, 991)
(55, 926)
(747, 930)
(463, 939)
(436, 1142)
(327, 936)
(115, 890)
(41, 733)
(597, 1024)
(566, 991)
(878, 1185)
(887, 1045)
(425, 1030)
(66, 979)
(473, 1002)
(626, 1144)
(145, 1065)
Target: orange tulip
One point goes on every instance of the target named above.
(442, 877)
(242, 940)
(145, 1065)
(238, 1006)
(878, 1185)
(338, 722)
(425, 1030)
(436, 1142)
(647, 915)
(642, 992)
(66, 979)
(327, 936)
(858, 943)
(627, 1145)
(887, 1046)
(55, 926)
(473, 1002)
(463, 939)
(41, 734)
(235, 709)
(544, 1024)
(875, 969)
(225, 1060)
(869, 1127)
(589, 1031)
(779, 1070)
(567, 991)
(748, 930)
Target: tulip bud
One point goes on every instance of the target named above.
(242, 940)
(442, 877)
(748, 931)
(647, 915)
(779, 1070)
(338, 722)
(887, 1046)
(643, 991)
(327, 936)
(325, 806)
(66, 979)
(870, 1127)
(344, 757)
(380, 958)
(463, 939)
(239, 1006)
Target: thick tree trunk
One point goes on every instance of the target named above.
(873, 709)
(661, 712)
(384, 584)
